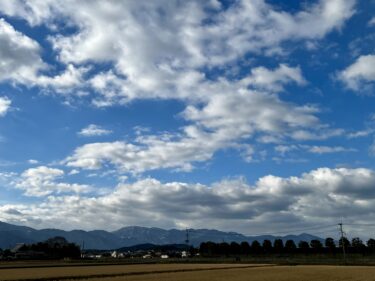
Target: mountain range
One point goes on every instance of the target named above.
(11, 234)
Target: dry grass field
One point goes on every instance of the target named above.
(272, 273)
(78, 272)
(192, 272)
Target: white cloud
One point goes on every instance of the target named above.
(283, 149)
(360, 134)
(158, 56)
(264, 78)
(94, 130)
(372, 22)
(224, 122)
(329, 149)
(73, 172)
(32, 161)
(151, 55)
(360, 74)
(245, 111)
(69, 78)
(4, 105)
(147, 55)
(271, 204)
(322, 134)
(21, 62)
(41, 181)
(35, 12)
(152, 154)
(19, 54)
(317, 149)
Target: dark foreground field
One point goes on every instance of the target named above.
(190, 272)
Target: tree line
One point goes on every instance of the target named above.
(278, 247)
(53, 248)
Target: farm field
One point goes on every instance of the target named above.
(79, 272)
(270, 273)
(188, 272)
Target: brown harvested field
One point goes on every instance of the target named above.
(63, 273)
(272, 273)
(193, 272)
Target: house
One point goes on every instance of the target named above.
(184, 254)
(114, 254)
(17, 248)
(147, 256)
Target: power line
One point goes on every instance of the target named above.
(295, 230)
(360, 224)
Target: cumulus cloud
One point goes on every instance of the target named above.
(35, 12)
(144, 54)
(229, 204)
(137, 158)
(94, 130)
(71, 77)
(158, 56)
(224, 122)
(4, 105)
(21, 62)
(273, 80)
(19, 54)
(372, 22)
(41, 181)
(150, 55)
(361, 74)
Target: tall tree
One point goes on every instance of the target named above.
(290, 246)
(278, 246)
(330, 244)
(245, 248)
(344, 241)
(267, 246)
(235, 248)
(304, 247)
(357, 245)
(256, 248)
(371, 245)
(316, 244)
(224, 249)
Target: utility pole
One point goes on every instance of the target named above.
(342, 241)
(187, 237)
(83, 249)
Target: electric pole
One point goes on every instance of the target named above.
(342, 240)
(187, 237)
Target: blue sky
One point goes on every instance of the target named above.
(237, 115)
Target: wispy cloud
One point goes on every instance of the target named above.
(4, 105)
(94, 130)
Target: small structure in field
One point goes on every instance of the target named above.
(184, 254)
(147, 256)
(114, 254)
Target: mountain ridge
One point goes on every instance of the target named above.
(129, 236)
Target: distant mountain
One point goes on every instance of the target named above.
(129, 236)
